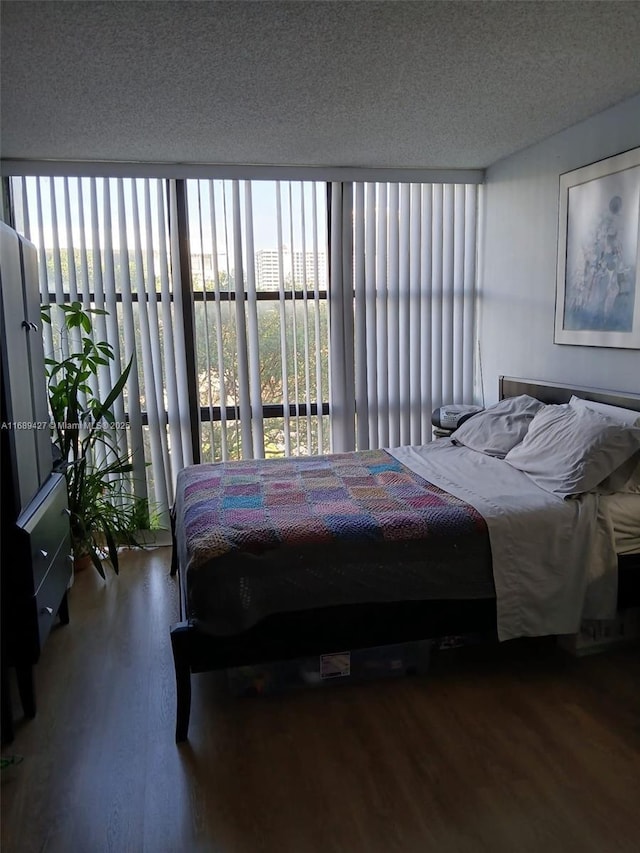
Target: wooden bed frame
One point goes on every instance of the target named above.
(325, 630)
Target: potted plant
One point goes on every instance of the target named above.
(103, 512)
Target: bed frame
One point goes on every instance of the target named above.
(325, 630)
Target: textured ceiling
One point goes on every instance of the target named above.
(404, 84)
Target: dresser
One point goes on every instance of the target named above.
(35, 558)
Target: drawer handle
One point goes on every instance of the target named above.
(47, 610)
(44, 553)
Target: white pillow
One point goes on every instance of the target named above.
(497, 429)
(616, 413)
(626, 478)
(569, 450)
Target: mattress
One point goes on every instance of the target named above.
(623, 510)
(279, 535)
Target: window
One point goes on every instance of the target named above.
(265, 318)
(106, 243)
(259, 282)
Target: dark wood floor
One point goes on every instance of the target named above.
(518, 748)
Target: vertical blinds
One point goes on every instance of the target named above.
(106, 243)
(413, 307)
(258, 254)
(327, 317)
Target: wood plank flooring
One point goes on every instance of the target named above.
(517, 748)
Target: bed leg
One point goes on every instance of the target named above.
(180, 645)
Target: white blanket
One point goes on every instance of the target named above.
(554, 560)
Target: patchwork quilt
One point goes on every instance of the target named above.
(367, 496)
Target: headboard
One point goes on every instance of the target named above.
(552, 392)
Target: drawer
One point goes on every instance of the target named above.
(52, 589)
(47, 527)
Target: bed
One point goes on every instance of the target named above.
(280, 559)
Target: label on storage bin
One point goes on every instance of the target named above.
(336, 665)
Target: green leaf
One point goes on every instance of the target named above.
(115, 391)
(111, 546)
(97, 563)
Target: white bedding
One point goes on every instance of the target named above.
(554, 560)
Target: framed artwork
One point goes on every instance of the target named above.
(598, 273)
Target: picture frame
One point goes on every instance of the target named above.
(598, 269)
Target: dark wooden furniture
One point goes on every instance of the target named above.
(301, 634)
(35, 556)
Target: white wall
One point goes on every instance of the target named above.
(517, 263)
